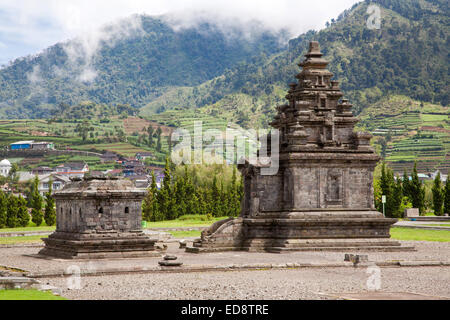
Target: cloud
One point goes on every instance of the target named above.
(81, 51)
(28, 26)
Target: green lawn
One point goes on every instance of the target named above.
(185, 234)
(420, 235)
(184, 223)
(435, 225)
(21, 240)
(28, 229)
(28, 295)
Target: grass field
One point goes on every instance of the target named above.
(184, 223)
(28, 229)
(185, 234)
(436, 225)
(21, 240)
(28, 295)
(407, 234)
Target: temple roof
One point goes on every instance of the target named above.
(99, 187)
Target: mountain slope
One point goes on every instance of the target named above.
(127, 64)
(408, 55)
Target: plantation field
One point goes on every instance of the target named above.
(419, 132)
(102, 136)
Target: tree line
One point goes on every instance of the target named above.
(14, 210)
(405, 192)
(180, 194)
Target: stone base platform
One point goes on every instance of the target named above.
(308, 245)
(301, 232)
(103, 245)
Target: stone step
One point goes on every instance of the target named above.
(339, 249)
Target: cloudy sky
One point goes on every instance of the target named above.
(29, 26)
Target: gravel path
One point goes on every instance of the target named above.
(252, 285)
(17, 257)
(293, 284)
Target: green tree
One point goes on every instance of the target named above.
(386, 189)
(406, 184)
(83, 129)
(150, 209)
(417, 191)
(3, 209)
(50, 211)
(215, 199)
(36, 204)
(23, 216)
(150, 132)
(397, 198)
(438, 196)
(11, 220)
(234, 196)
(166, 199)
(447, 196)
(158, 137)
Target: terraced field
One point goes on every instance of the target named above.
(419, 132)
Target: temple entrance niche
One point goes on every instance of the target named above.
(334, 188)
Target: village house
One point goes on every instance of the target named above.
(142, 156)
(443, 176)
(109, 157)
(31, 145)
(140, 181)
(5, 167)
(133, 167)
(42, 170)
(73, 169)
(58, 182)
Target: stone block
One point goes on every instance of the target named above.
(411, 213)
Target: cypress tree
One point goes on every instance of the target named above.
(406, 183)
(386, 189)
(50, 211)
(150, 136)
(150, 210)
(417, 191)
(447, 196)
(438, 196)
(223, 201)
(215, 198)
(397, 198)
(3, 209)
(235, 202)
(22, 214)
(12, 212)
(36, 208)
(192, 200)
(166, 199)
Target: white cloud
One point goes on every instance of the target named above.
(36, 24)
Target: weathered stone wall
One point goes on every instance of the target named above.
(269, 190)
(100, 215)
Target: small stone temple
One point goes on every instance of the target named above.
(99, 217)
(322, 197)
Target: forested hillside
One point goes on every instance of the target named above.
(408, 55)
(133, 69)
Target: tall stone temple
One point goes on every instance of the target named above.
(322, 197)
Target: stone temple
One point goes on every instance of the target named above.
(322, 197)
(99, 218)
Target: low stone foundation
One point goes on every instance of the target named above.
(353, 231)
(99, 245)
